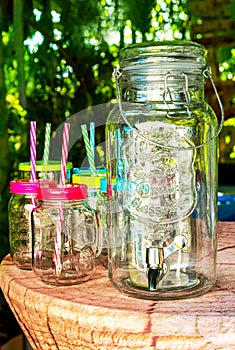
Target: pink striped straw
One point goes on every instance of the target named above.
(58, 241)
(64, 155)
(33, 151)
(33, 157)
(63, 170)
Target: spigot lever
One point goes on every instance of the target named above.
(179, 242)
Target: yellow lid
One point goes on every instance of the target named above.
(51, 165)
(89, 180)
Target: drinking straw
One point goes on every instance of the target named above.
(64, 155)
(33, 151)
(88, 149)
(119, 140)
(47, 143)
(92, 139)
(33, 157)
(57, 250)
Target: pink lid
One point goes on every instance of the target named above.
(67, 192)
(26, 186)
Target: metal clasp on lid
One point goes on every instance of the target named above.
(167, 92)
(207, 74)
(116, 74)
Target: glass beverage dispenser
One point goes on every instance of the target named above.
(162, 159)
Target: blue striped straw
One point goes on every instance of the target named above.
(92, 139)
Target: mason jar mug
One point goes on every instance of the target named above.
(23, 200)
(65, 235)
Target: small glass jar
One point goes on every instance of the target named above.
(22, 201)
(85, 176)
(107, 234)
(162, 147)
(102, 212)
(65, 235)
(50, 170)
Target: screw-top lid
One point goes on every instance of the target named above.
(67, 192)
(90, 180)
(26, 186)
(51, 165)
(87, 171)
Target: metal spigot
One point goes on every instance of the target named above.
(156, 260)
(155, 266)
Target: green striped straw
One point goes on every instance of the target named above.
(88, 149)
(47, 143)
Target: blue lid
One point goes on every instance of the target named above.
(87, 171)
(103, 184)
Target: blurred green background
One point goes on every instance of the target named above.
(57, 58)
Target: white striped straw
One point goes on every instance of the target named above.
(64, 155)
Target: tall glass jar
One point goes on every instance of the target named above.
(162, 148)
(65, 235)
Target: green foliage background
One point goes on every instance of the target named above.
(57, 58)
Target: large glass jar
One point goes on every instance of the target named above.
(65, 235)
(162, 148)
